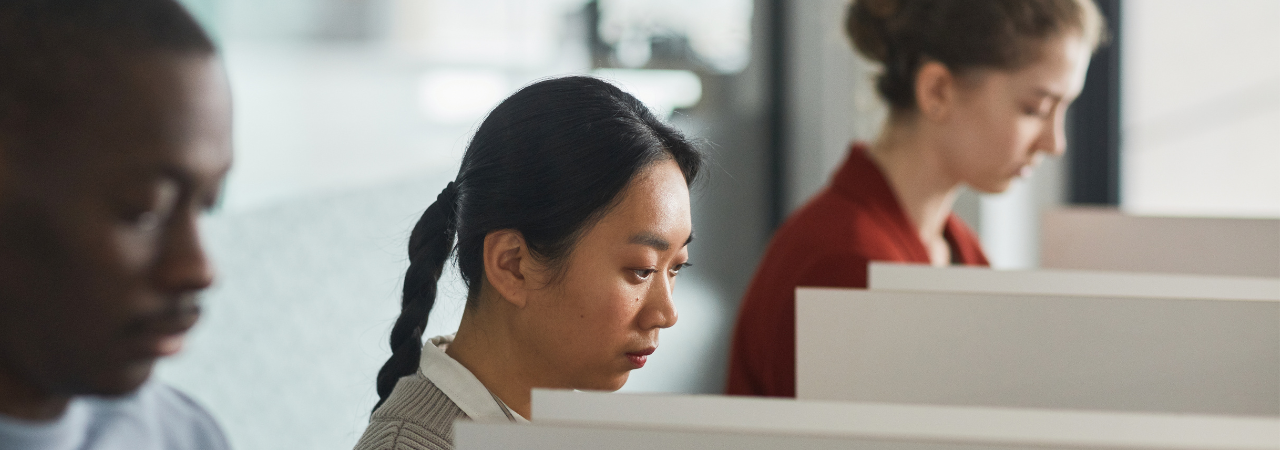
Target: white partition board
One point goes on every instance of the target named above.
(884, 276)
(728, 416)
(559, 436)
(1095, 353)
(1106, 239)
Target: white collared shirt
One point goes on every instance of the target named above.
(461, 385)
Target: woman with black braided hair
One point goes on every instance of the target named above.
(571, 212)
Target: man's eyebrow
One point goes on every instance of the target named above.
(185, 177)
(176, 174)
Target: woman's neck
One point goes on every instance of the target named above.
(925, 189)
(487, 352)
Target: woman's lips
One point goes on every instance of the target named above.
(639, 358)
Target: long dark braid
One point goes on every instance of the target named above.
(430, 244)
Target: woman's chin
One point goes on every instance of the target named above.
(992, 186)
(608, 385)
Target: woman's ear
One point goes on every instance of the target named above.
(935, 90)
(506, 265)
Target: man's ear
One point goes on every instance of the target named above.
(935, 90)
(506, 266)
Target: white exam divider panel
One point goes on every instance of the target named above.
(1107, 239)
(1194, 356)
(885, 276)
(901, 422)
(706, 421)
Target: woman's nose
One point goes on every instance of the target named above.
(660, 307)
(1054, 138)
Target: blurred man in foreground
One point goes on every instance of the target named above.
(114, 138)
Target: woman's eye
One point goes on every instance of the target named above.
(643, 273)
(1040, 108)
(676, 270)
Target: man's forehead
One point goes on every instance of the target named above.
(168, 125)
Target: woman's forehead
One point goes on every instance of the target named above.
(1060, 69)
(655, 203)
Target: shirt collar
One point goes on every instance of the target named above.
(460, 385)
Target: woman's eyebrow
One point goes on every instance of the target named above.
(1047, 93)
(652, 240)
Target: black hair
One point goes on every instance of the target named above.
(55, 54)
(548, 162)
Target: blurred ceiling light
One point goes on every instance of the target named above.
(663, 91)
(633, 51)
(512, 34)
(457, 96)
(718, 31)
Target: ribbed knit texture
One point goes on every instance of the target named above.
(417, 416)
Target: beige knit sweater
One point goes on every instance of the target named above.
(417, 416)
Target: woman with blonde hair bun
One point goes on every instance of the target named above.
(977, 92)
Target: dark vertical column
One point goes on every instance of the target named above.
(777, 117)
(1093, 141)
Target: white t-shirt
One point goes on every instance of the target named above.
(156, 417)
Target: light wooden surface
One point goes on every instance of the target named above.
(923, 278)
(1092, 353)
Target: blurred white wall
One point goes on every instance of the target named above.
(831, 97)
(1200, 101)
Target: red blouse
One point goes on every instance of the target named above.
(828, 242)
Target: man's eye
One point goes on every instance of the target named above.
(149, 209)
(141, 218)
(148, 220)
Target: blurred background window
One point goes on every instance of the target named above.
(1200, 108)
